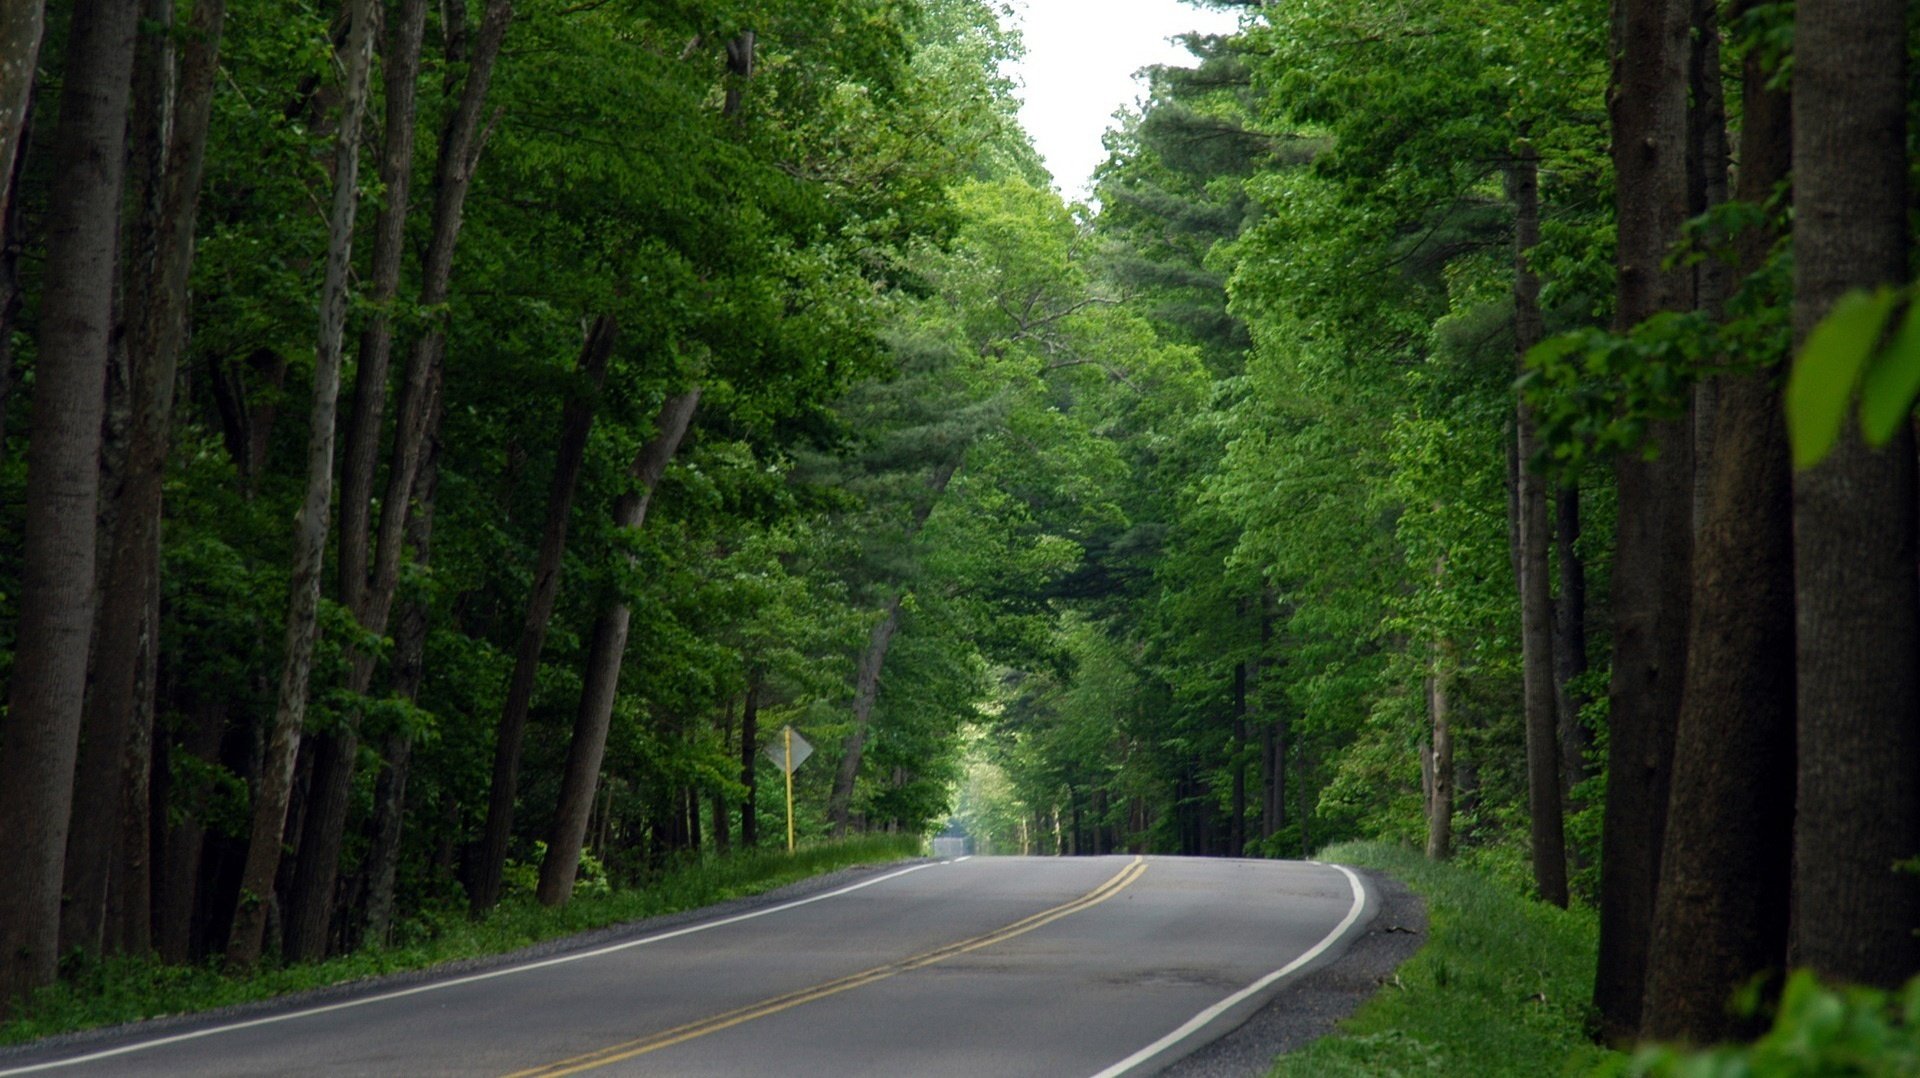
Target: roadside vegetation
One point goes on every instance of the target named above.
(1502, 985)
(126, 988)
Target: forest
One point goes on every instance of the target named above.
(443, 445)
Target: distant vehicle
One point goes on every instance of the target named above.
(952, 846)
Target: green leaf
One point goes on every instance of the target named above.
(1886, 395)
(1827, 371)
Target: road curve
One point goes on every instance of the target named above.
(1097, 966)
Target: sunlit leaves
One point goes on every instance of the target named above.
(1866, 348)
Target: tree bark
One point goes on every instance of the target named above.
(1237, 833)
(310, 898)
(11, 243)
(1546, 829)
(1854, 521)
(401, 60)
(275, 780)
(125, 618)
(749, 748)
(1721, 916)
(866, 690)
(576, 424)
(42, 729)
(1570, 644)
(1651, 580)
(409, 670)
(722, 815)
(602, 681)
(22, 25)
(1438, 761)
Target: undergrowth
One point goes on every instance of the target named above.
(1501, 986)
(127, 989)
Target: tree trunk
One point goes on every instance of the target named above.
(178, 885)
(749, 747)
(1706, 188)
(1651, 580)
(22, 25)
(1438, 771)
(129, 928)
(1237, 834)
(11, 243)
(602, 680)
(275, 781)
(576, 423)
(154, 343)
(866, 690)
(310, 900)
(42, 726)
(1853, 521)
(409, 669)
(1721, 917)
(1545, 827)
(722, 815)
(401, 60)
(1570, 644)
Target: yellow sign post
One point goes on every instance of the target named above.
(792, 752)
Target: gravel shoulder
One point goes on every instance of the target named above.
(1310, 1008)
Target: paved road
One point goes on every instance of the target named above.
(982, 966)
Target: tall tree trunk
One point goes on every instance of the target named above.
(179, 878)
(42, 728)
(22, 25)
(11, 242)
(866, 690)
(749, 748)
(275, 779)
(1853, 520)
(1237, 833)
(310, 904)
(154, 344)
(401, 60)
(576, 423)
(1721, 917)
(722, 815)
(1570, 643)
(129, 928)
(409, 670)
(866, 680)
(1546, 829)
(1651, 578)
(1438, 771)
(602, 681)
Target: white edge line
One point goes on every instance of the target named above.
(158, 1042)
(1199, 1021)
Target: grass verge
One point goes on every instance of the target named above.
(127, 989)
(1500, 988)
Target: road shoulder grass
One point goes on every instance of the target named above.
(127, 990)
(1501, 986)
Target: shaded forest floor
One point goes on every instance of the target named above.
(1502, 986)
(127, 990)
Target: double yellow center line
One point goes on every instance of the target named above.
(667, 1038)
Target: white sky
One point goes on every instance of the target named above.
(1081, 56)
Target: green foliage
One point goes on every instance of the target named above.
(1818, 1031)
(1867, 348)
(1500, 986)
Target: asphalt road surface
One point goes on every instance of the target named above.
(1095, 966)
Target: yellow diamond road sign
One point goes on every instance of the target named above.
(778, 751)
